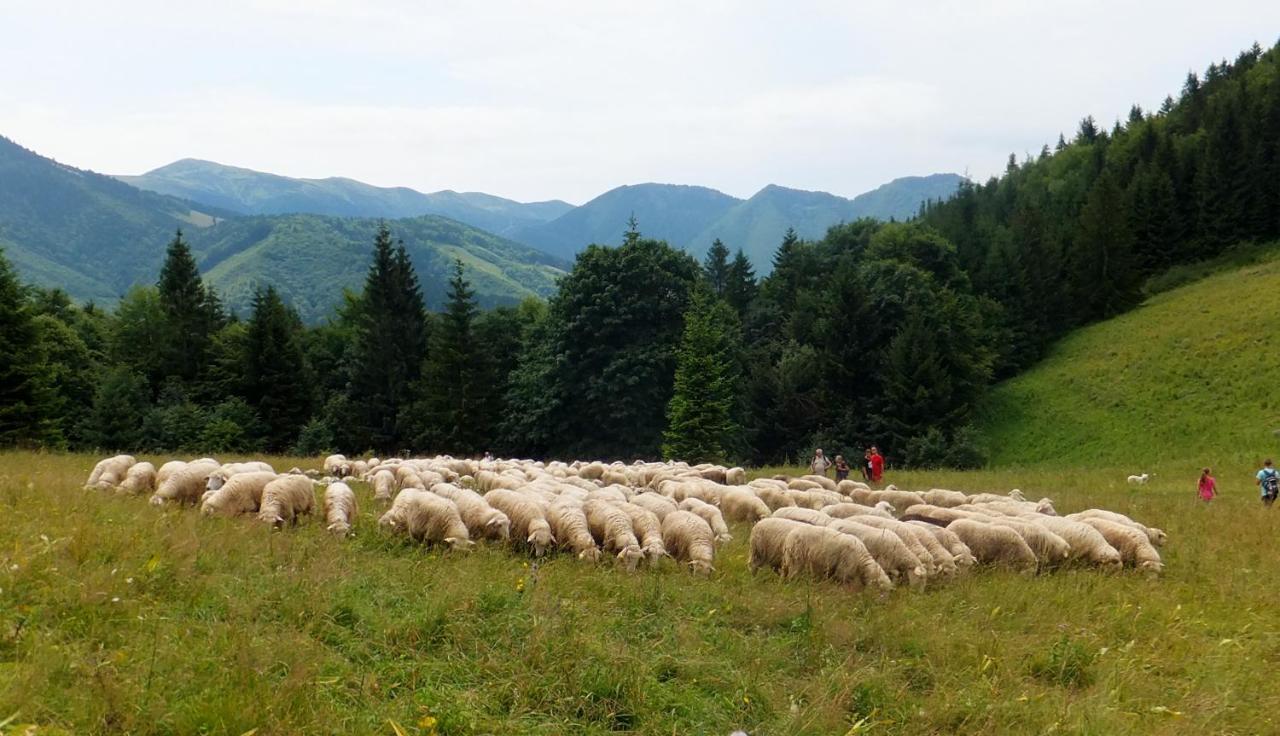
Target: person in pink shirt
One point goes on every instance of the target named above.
(1208, 486)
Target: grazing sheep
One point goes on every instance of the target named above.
(1135, 548)
(1154, 535)
(803, 484)
(648, 529)
(711, 515)
(384, 483)
(822, 480)
(226, 470)
(337, 465)
(1138, 480)
(949, 541)
(899, 562)
(900, 500)
(139, 479)
(802, 515)
(735, 477)
(768, 537)
(689, 539)
(1050, 549)
(775, 498)
(528, 518)
(827, 554)
(168, 469)
(715, 474)
(944, 498)
(570, 528)
(285, 499)
(340, 508)
(912, 538)
(1087, 544)
(848, 509)
(186, 484)
(611, 527)
(846, 487)
(241, 494)
(941, 516)
(741, 504)
(655, 502)
(482, 520)
(995, 545)
(110, 472)
(427, 518)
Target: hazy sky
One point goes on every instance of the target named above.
(540, 100)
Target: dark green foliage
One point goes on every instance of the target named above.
(716, 267)
(277, 382)
(457, 404)
(114, 421)
(231, 426)
(316, 438)
(701, 416)
(71, 372)
(28, 406)
(740, 284)
(191, 314)
(390, 344)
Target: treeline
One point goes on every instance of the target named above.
(877, 333)
(1070, 236)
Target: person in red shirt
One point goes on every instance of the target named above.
(877, 465)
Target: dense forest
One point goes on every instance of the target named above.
(883, 333)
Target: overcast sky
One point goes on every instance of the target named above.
(541, 100)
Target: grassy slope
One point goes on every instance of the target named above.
(1187, 379)
(118, 617)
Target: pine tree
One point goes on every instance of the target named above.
(191, 314)
(27, 402)
(390, 345)
(1223, 179)
(277, 383)
(716, 267)
(112, 422)
(457, 399)
(700, 417)
(740, 284)
(1105, 278)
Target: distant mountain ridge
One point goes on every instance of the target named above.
(95, 237)
(686, 216)
(250, 192)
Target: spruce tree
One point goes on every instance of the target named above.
(456, 390)
(277, 383)
(701, 425)
(740, 286)
(191, 314)
(112, 422)
(1105, 279)
(716, 267)
(26, 400)
(390, 345)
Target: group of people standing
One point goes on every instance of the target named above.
(1267, 479)
(872, 467)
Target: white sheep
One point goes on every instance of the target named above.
(1087, 544)
(709, 514)
(139, 479)
(768, 538)
(337, 465)
(184, 485)
(384, 483)
(995, 545)
(913, 539)
(958, 550)
(110, 472)
(340, 508)
(741, 504)
(735, 477)
(1154, 535)
(611, 528)
(169, 469)
(1135, 548)
(428, 518)
(689, 539)
(648, 529)
(482, 520)
(285, 499)
(570, 528)
(527, 516)
(825, 553)
(655, 502)
(848, 508)
(803, 515)
(241, 494)
(893, 556)
(944, 498)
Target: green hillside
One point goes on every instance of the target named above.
(310, 259)
(1189, 377)
(250, 192)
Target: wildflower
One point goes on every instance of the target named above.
(520, 585)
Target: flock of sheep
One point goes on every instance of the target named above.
(808, 526)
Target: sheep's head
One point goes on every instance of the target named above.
(630, 556)
(1157, 536)
(1153, 567)
(701, 567)
(886, 507)
(157, 500)
(724, 538)
(499, 527)
(339, 529)
(458, 544)
(1016, 495)
(540, 540)
(1045, 506)
(590, 554)
(215, 480)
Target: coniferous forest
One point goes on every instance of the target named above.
(884, 333)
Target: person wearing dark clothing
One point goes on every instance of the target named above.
(866, 467)
(842, 468)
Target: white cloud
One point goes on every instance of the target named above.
(567, 99)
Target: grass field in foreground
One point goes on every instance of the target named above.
(116, 617)
(1191, 375)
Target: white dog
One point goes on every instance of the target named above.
(1138, 480)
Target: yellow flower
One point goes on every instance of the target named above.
(520, 585)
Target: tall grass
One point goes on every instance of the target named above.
(116, 617)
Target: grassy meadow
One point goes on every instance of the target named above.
(117, 617)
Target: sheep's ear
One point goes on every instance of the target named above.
(530, 539)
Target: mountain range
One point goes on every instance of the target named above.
(95, 236)
(689, 217)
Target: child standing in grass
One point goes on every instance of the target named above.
(1208, 486)
(1268, 483)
